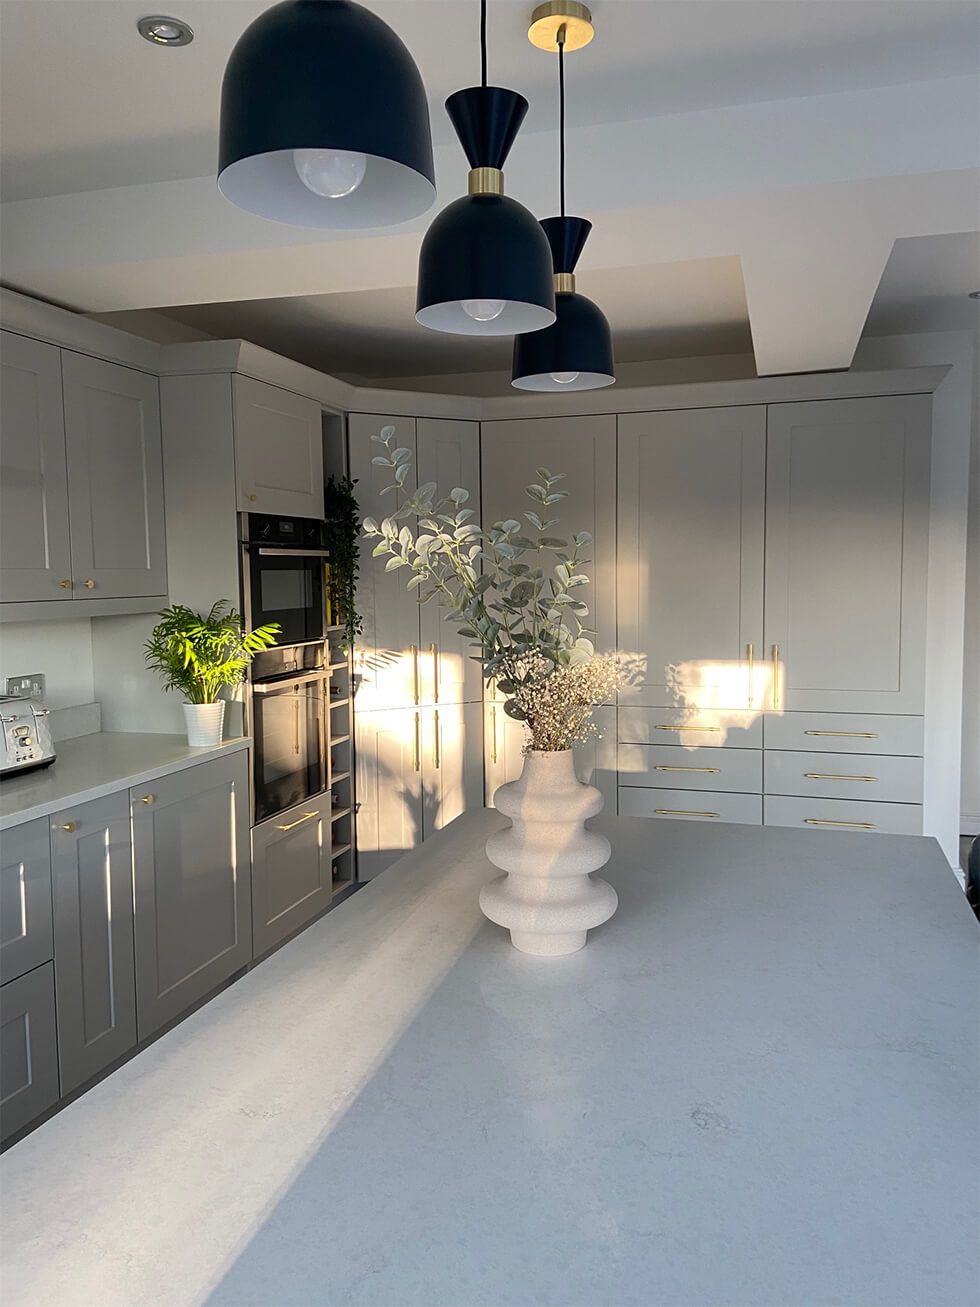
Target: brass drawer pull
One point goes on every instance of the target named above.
(436, 749)
(434, 651)
(708, 770)
(69, 826)
(846, 735)
(307, 816)
(854, 825)
(834, 776)
(65, 585)
(417, 759)
(415, 671)
(493, 734)
(148, 798)
(660, 727)
(89, 584)
(683, 812)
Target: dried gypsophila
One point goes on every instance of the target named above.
(558, 705)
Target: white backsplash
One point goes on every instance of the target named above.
(62, 650)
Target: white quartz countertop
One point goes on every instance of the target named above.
(93, 766)
(755, 1087)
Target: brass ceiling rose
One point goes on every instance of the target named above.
(548, 19)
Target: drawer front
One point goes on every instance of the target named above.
(28, 1049)
(26, 938)
(691, 805)
(844, 814)
(692, 727)
(859, 776)
(668, 767)
(845, 733)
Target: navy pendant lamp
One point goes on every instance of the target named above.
(324, 120)
(485, 263)
(575, 352)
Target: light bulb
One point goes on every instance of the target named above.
(564, 378)
(330, 173)
(484, 310)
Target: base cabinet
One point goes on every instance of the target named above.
(91, 867)
(291, 872)
(28, 1049)
(25, 899)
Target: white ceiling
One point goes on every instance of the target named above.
(749, 166)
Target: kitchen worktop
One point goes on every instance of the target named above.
(755, 1085)
(92, 766)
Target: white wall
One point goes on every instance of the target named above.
(62, 650)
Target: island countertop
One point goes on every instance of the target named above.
(755, 1086)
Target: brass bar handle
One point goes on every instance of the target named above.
(493, 733)
(417, 760)
(684, 812)
(713, 771)
(775, 676)
(847, 735)
(436, 748)
(69, 826)
(835, 776)
(434, 651)
(415, 671)
(750, 653)
(853, 825)
(307, 816)
(148, 799)
(666, 727)
(295, 726)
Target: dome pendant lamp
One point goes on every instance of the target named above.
(324, 120)
(485, 265)
(575, 352)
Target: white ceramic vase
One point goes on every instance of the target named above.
(205, 723)
(547, 899)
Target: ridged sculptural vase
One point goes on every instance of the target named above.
(547, 898)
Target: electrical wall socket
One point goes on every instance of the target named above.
(30, 686)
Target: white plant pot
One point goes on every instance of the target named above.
(205, 723)
(547, 899)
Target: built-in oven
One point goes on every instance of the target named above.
(284, 575)
(288, 703)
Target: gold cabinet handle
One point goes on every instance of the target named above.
(296, 726)
(436, 747)
(417, 760)
(66, 584)
(148, 799)
(665, 726)
(251, 498)
(493, 733)
(854, 825)
(89, 584)
(434, 651)
(847, 735)
(684, 812)
(835, 776)
(69, 826)
(750, 653)
(775, 676)
(415, 671)
(707, 770)
(307, 816)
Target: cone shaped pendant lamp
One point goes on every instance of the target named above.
(324, 120)
(485, 265)
(575, 352)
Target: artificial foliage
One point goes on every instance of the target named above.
(199, 655)
(343, 531)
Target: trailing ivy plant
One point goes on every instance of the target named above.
(200, 655)
(343, 530)
(513, 590)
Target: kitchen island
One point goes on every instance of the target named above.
(756, 1085)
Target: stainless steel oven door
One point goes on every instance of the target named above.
(289, 729)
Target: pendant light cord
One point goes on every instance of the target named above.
(483, 41)
(561, 117)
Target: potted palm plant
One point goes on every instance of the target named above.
(198, 656)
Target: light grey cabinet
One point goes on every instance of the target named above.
(278, 450)
(192, 886)
(847, 507)
(92, 880)
(28, 1049)
(292, 872)
(35, 557)
(115, 480)
(452, 763)
(388, 762)
(26, 938)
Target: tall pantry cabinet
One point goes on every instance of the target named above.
(418, 698)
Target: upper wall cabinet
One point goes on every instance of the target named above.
(278, 450)
(691, 513)
(36, 558)
(847, 504)
(115, 480)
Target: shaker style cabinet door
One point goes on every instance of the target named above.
(691, 541)
(115, 480)
(192, 887)
(278, 450)
(25, 899)
(452, 763)
(291, 871)
(388, 660)
(846, 554)
(449, 455)
(28, 1049)
(92, 875)
(388, 759)
(35, 558)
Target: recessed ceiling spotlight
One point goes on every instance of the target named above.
(165, 31)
